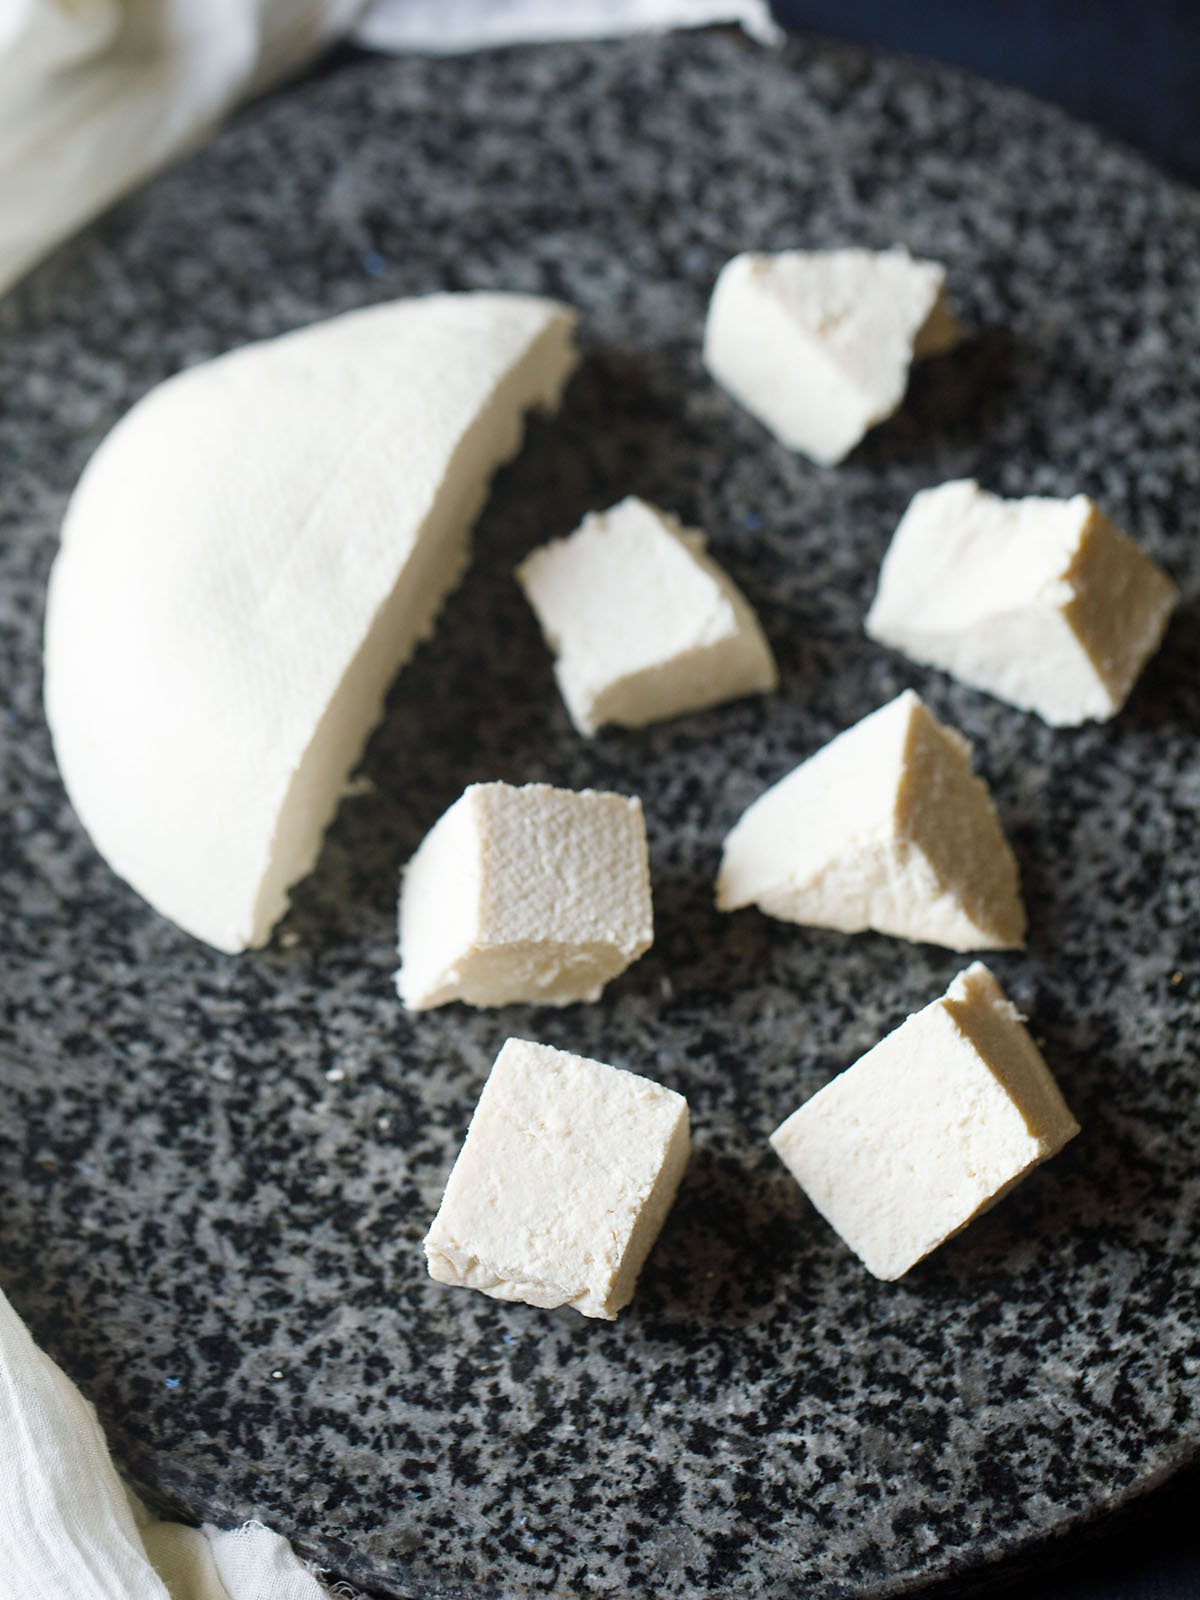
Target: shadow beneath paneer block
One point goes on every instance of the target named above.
(950, 399)
(1164, 695)
(738, 1237)
(1075, 1207)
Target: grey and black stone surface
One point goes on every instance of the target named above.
(215, 1173)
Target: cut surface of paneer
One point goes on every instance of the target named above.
(643, 622)
(249, 557)
(564, 1180)
(525, 893)
(818, 344)
(887, 828)
(1043, 603)
(929, 1128)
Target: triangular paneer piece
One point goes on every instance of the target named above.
(1044, 603)
(249, 557)
(818, 344)
(888, 828)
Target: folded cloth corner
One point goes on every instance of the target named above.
(96, 95)
(69, 1527)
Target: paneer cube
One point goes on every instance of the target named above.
(562, 1185)
(525, 894)
(929, 1128)
(643, 622)
(818, 344)
(1043, 603)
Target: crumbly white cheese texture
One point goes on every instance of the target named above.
(526, 893)
(563, 1182)
(1043, 603)
(643, 622)
(818, 344)
(248, 558)
(887, 828)
(929, 1128)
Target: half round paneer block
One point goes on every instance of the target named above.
(248, 559)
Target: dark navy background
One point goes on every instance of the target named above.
(1131, 67)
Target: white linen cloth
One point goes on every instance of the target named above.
(442, 27)
(95, 95)
(69, 1530)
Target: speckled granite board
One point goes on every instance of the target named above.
(216, 1172)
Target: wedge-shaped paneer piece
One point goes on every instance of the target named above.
(888, 828)
(565, 1178)
(818, 344)
(525, 894)
(247, 560)
(644, 623)
(929, 1128)
(1043, 603)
